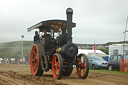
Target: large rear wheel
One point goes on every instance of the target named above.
(82, 66)
(57, 66)
(44, 63)
(35, 60)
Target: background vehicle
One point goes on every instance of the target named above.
(113, 62)
(118, 49)
(57, 53)
(125, 56)
(96, 61)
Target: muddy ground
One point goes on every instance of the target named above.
(21, 75)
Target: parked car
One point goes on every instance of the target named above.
(126, 57)
(96, 62)
(113, 62)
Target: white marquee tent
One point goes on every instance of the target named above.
(86, 51)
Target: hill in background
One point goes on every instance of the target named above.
(14, 49)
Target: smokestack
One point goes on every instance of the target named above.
(69, 13)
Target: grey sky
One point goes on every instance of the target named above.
(96, 20)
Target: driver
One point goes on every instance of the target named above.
(46, 36)
(36, 37)
(45, 33)
(46, 40)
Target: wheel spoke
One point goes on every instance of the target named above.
(80, 59)
(82, 69)
(35, 66)
(57, 66)
(55, 59)
(79, 71)
(35, 53)
(34, 63)
(32, 60)
(83, 66)
(37, 59)
(78, 63)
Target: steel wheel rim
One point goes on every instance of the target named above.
(82, 69)
(34, 60)
(55, 66)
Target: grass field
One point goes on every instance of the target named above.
(109, 72)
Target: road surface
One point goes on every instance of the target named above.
(11, 74)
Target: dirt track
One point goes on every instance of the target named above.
(21, 75)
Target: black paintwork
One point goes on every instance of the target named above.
(63, 40)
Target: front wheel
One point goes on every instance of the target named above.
(82, 66)
(57, 66)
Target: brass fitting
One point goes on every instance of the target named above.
(58, 50)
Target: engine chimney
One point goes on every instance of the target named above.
(69, 50)
(69, 13)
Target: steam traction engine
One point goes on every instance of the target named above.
(56, 51)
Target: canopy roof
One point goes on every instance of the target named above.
(55, 25)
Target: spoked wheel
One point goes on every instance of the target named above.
(35, 60)
(57, 66)
(82, 66)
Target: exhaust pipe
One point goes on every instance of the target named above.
(69, 13)
(69, 50)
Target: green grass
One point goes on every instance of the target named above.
(13, 49)
(109, 72)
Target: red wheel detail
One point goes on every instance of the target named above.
(82, 66)
(81, 70)
(34, 60)
(57, 66)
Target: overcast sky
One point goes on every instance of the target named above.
(96, 20)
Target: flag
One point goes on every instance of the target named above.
(94, 47)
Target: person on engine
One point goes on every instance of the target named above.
(36, 37)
